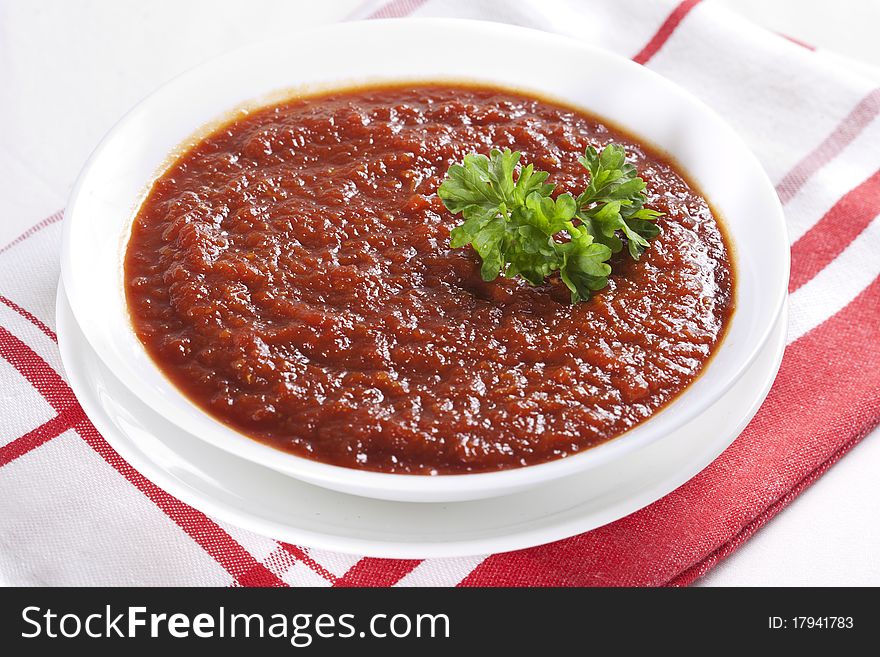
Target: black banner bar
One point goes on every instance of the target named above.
(430, 621)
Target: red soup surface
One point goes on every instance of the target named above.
(291, 274)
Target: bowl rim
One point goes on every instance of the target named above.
(370, 481)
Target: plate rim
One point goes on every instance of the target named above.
(143, 463)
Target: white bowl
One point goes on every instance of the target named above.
(120, 171)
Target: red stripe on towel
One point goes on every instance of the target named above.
(377, 572)
(819, 246)
(843, 135)
(665, 31)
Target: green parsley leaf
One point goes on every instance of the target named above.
(512, 221)
(613, 202)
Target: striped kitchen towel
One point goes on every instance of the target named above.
(73, 512)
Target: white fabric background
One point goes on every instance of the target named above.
(70, 69)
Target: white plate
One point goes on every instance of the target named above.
(267, 502)
(99, 214)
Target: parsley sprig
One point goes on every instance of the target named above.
(512, 221)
